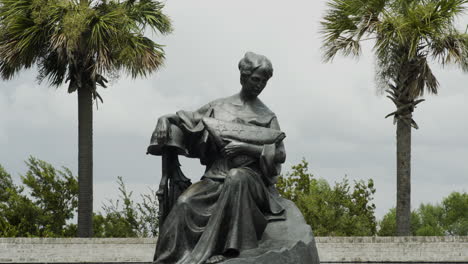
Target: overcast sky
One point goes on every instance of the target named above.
(331, 113)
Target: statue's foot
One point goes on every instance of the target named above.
(215, 259)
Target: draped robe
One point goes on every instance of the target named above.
(228, 210)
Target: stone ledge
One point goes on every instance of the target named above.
(416, 239)
(140, 250)
(47, 240)
(25, 240)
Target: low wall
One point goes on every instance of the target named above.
(393, 249)
(331, 249)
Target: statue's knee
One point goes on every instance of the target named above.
(234, 173)
(237, 176)
(183, 200)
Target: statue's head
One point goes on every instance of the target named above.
(255, 72)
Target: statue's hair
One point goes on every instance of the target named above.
(253, 61)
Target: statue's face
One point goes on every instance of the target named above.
(255, 83)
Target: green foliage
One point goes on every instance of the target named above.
(46, 203)
(416, 25)
(405, 35)
(6, 185)
(45, 211)
(68, 38)
(54, 192)
(430, 217)
(128, 219)
(387, 226)
(10, 202)
(81, 41)
(296, 182)
(339, 210)
(455, 210)
(448, 218)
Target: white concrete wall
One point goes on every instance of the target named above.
(393, 249)
(331, 249)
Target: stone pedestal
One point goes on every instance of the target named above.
(284, 242)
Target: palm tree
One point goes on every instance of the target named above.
(407, 35)
(81, 41)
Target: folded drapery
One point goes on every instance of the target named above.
(242, 132)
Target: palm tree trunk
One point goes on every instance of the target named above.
(85, 157)
(85, 161)
(403, 205)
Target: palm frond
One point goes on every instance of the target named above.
(22, 40)
(413, 23)
(347, 46)
(105, 30)
(140, 56)
(421, 78)
(9, 69)
(149, 13)
(69, 40)
(406, 33)
(346, 23)
(117, 40)
(53, 67)
(451, 48)
(390, 61)
(387, 37)
(450, 9)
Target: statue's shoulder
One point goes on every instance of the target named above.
(229, 100)
(220, 101)
(212, 105)
(258, 105)
(263, 108)
(256, 108)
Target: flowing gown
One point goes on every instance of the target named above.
(228, 210)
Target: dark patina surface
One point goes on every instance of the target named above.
(234, 213)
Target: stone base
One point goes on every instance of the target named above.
(448, 249)
(284, 242)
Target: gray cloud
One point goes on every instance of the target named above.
(331, 113)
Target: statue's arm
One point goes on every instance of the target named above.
(189, 119)
(235, 148)
(171, 118)
(280, 152)
(163, 128)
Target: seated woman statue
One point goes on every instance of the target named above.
(239, 140)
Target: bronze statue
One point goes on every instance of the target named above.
(238, 139)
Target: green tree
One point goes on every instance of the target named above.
(54, 192)
(6, 184)
(125, 218)
(455, 214)
(447, 218)
(339, 210)
(406, 34)
(81, 41)
(431, 221)
(387, 226)
(296, 182)
(45, 210)
(7, 191)
(46, 202)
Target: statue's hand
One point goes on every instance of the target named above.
(234, 148)
(163, 130)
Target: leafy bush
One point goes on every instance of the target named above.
(447, 218)
(47, 201)
(339, 210)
